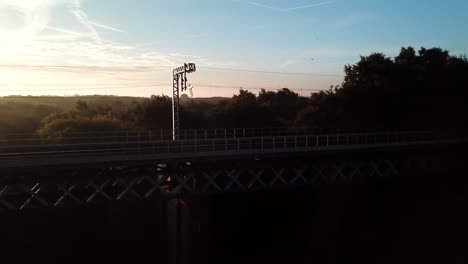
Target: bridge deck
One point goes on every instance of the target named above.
(88, 174)
(167, 150)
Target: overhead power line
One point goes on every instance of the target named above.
(214, 86)
(253, 88)
(159, 67)
(80, 86)
(86, 88)
(273, 72)
(82, 66)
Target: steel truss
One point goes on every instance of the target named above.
(93, 187)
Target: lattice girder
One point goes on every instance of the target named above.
(146, 183)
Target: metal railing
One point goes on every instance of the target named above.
(163, 135)
(206, 144)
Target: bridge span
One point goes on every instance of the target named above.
(182, 176)
(55, 174)
(146, 148)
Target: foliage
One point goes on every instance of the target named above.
(153, 113)
(21, 118)
(58, 128)
(427, 89)
(416, 89)
(80, 120)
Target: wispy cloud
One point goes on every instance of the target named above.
(264, 6)
(197, 36)
(148, 44)
(82, 17)
(289, 9)
(40, 43)
(37, 47)
(287, 63)
(309, 5)
(107, 27)
(67, 32)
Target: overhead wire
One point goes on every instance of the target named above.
(75, 87)
(273, 72)
(214, 86)
(87, 88)
(166, 66)
(253, 88)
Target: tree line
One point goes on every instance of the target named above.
(425, 89)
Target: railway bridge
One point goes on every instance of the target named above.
(182, 176)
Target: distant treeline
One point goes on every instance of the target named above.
(427, 89)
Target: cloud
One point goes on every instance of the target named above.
(38, 42)
(39, 47)
(23, 19)
(82, 17)
(148, 44)
(67, 32)
(107, 27)
(287, 10)
(310, 5)
(287, 63)
(264, 6)
(26, 19)
(74, 52)
(197, 36)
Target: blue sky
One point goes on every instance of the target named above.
(272, 35)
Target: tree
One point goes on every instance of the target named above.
(414, 90)
(153, 113)
(64, 126)
(243, 110)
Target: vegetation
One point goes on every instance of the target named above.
(427, 89)
(22, 117)
(81, 119)
(424, 89)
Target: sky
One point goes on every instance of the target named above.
(129, 47)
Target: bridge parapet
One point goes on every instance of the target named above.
(81, 153)
(186, 134)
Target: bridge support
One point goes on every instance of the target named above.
(187, 231)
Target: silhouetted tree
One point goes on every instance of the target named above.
(243, 110)
(153, 113)
(424, 90)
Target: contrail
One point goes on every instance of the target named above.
(310, 5)
(107, 27)
(288, 10)
(69, 32)
(265, 6)
(82, 17)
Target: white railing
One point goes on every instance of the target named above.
(163, 135)
(206, 144)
